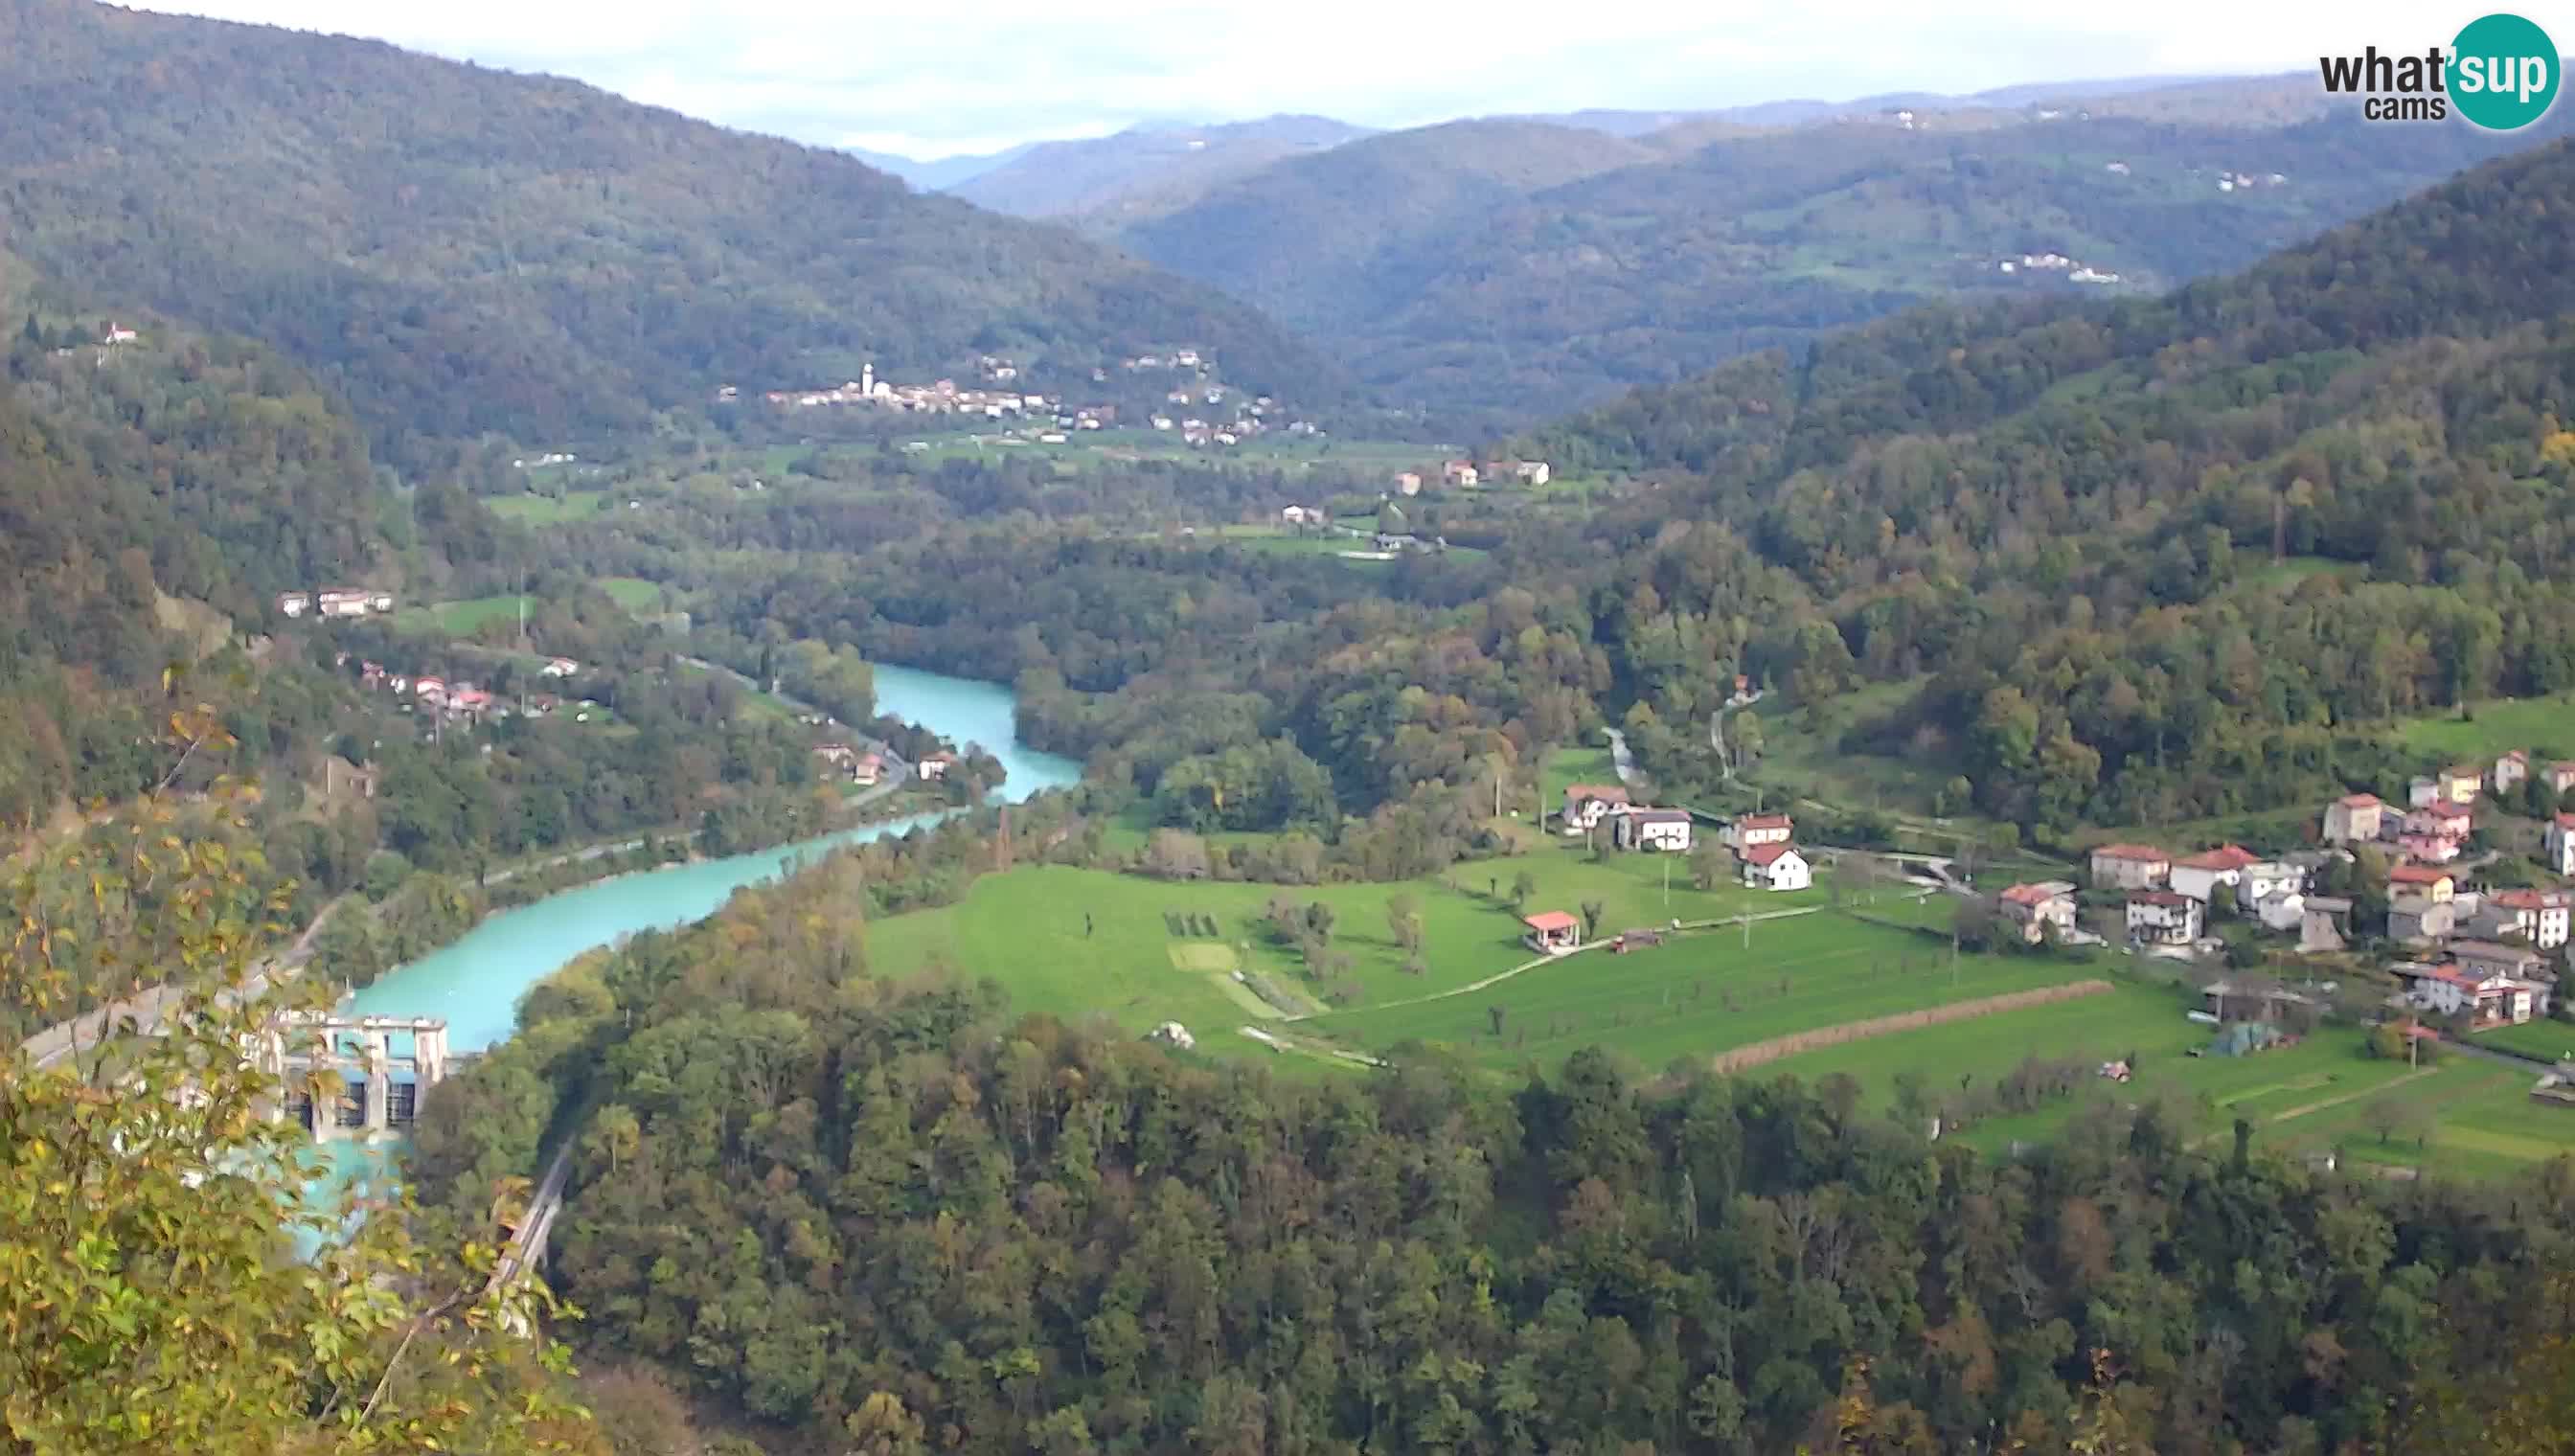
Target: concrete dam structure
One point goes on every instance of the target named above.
(376, 1097)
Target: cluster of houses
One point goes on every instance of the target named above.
(1765, 854)
(2487, 956)
(942, 398)
(335, 602)
(2055, 263)
(1467, 475)
(866, 767)
(2170, 901)
(463, 702)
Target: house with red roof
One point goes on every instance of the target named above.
(1752, 830)
(2162, 917)
(2130, 867)
(1773, 867)
(2032, 908)
(2540, 915)
(1552, 932)
(2560, 777)
(2437, 832)
(2429, 881)
(2199, 876)
(2485, 998)
(1587, 803)
(2354, 818)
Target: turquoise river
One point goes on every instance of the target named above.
(476, 982)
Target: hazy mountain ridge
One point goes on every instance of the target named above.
(1467, 283)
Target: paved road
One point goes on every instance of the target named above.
(1619, 757)
(147, 1006)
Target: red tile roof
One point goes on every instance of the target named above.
(2030, 894)
(2224, 856)
(2159, 898)
(1606, 792)
(1764, 821)
(1549, 922)
(1763, 854)
(2357, 800)
(2145, 853)
(2417, 874)
(2532, 899)
(2445, 809)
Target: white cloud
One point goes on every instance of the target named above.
(935, 80)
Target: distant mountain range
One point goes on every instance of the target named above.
(1063, 178)
(1058, 178)
(1485, 272)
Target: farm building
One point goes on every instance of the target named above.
(1552, 932)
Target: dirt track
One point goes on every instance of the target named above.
(1744, 1059)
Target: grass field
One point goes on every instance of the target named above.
(1027, 928)
(2546, 1040)
(2545, 724)
(1699, 995)
(535, 509)
(2471, 1116)
(464, 618)
(632, 593)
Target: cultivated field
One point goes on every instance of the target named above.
(1028, 928)
(1700, 995)
(2543, 723)
(2460, 1114)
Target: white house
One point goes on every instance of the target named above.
(2354, 818)
(560, 668)
(342, 602)
(1300, 515)
(934, 765)
(2034, 907)
(2512, 770)
(293, 603)
(1751, 832)
(2541, 915)
(1533, 473)
(2448, 991)
(2162, 917)
(2265, 878)
(2199, 876)
(1773, 867)
(2560, 844)
(2130, 867)
(1651, 829)
(1587, 803)
(2420, 792)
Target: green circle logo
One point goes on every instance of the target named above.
(2503, 71)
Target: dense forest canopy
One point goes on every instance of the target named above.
(844, 1209)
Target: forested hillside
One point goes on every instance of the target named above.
(1145, 167)
(835, 1208)
(462, 251)
(2069, 521)
(1478, 274)
(149, 492)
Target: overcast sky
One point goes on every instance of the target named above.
(931, 80)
